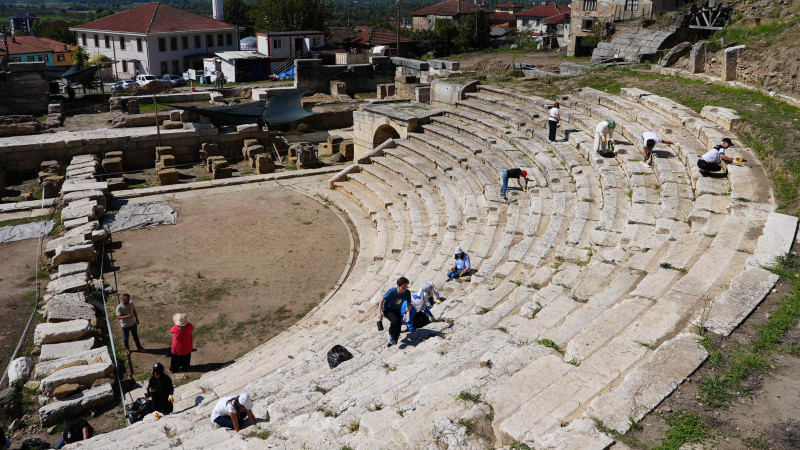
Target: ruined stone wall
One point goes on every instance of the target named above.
(605, 12)
(311, 74)
(24, 89)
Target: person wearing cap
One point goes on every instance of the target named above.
(460, 265)
(77, 430)
(554, 121)
(649, 141)
(416, 313)
(603, 133)
(514, 173)
(182, 344)
(391, 307)
(129, 322)
(160, 389)
(231, 411)
(711, 160)
(427, 293)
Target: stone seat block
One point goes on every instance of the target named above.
(168, 176)
(51, 333)
(72, 269)
(69, 306)
(114, 154)
(97, 355)
(264, 164)
(164, 150)
(167, 160)
(83, 375)
(211, 160)
(222, 172)
(70, 283)
(97, 196)
(112, 165)
(250, 142)
(172, 125)
(74, 253)
(62, 349)
(76, 404)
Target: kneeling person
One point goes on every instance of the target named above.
(417, 314)
(711, 160)
(230, 412)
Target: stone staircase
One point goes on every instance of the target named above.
(588, 292)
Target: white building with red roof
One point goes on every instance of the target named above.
(454, 10)
(156, 39)
(549, 20)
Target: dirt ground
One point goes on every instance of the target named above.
(244, 266)
(17, 292)
(503, 63)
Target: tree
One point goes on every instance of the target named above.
(239, 13)
(58, 31)
(80, 57)
(292, 15)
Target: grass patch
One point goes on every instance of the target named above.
(685, 428)
(354, 426)
(666, 265)
(535, 311)
(627, 440)
(466, 396)
(20, 221)
(469, 426)
(550, 344)
(263, 435)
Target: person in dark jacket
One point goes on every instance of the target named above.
(390, 306)
(160, 389)
(77, 430)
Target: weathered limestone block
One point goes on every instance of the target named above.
(164, 150)
(76, 404)
(72, 269)
(69, 306)
(253, 151)
(171, 125)
(386, 90)
(70, 283)
(264, 164)
(52, 167)
(98, 196)
(64, 349)
(728, 310)
(45, 368)
(85, 231)
(84, 375)
(51, 333)
(102, 381)
(675, 54)
(82, 208)
(211, 160)
(338, 88)
(779, 233)
(208, 149)
(167, 161)
(724, 117)
(175, 115)
(65, 390)
(74, 253)
(19, 370)
(218, 164)
(697, 58)
(168, 176)
(51, 186)
(729, 62)
(112, 165)
(10, 407)
(580, 433)
(70, 224)
(133, 106)
(114, 154)
(247, 128)
(116, 184)
(222, 172)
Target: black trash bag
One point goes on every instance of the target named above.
(35, 444)
(135, 416)
(338, 355)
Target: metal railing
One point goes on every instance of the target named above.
(290, 62)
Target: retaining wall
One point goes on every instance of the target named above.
(24, 89)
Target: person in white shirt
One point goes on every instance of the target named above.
(554, 120)
(649, 140)
(603, 133)
(230, 411)
(427, 293)
(711, 160)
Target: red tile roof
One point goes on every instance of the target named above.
(448, 8)
(548, 10)
(377, 36)
(563, 17)
(155, 18)
(509, 5)
(31, 44)
(502, 16)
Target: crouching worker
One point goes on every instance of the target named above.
(77, 430)
(232, 411)
(417, 314)
(711, 160)
(460, 265)
(160, 389)
(603, 136)
(427, 293)
(390, 307)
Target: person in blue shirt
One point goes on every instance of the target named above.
(460, 265)
(417, 313)
(391, 305)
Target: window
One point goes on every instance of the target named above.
(138, 44)
(276, 44)
(163, 67)
(315, 42)
(176, 67)
(228, 39)
(31, 58)
(124, 66)
(587, 24)
(197, 43)
(184, 42)
(173, 43)
(631, 5)
(589, 5)
(108, 41)
(44, 58)
(83, 39)
(162, 44)
(96, 40)
(16, 59)
(60, 58)
(220, 40)
(209, 40)
(121, 43)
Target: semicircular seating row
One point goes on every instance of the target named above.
(588, 291)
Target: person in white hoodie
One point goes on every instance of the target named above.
(603, 134)
(427, 293)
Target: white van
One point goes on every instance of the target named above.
(144, 80)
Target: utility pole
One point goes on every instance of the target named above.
(398, 27)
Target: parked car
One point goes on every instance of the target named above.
(173, 80)
(124, 85)
(144, 80)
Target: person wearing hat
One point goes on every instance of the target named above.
(514, 173)
(160, 389)
(649, 141)
(711, 160)
(391, 305)
(603, 133)
(231, 411)
(77, 430)
(460, 265)
(182, 344)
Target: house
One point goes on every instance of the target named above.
(32, 48)
(509, 7)
(23, 23)
(157, 39)
(283, 47)
(503, 19)
(532, 20)
(454, 10)
(364, 42)
(238, 66)
(588, 13)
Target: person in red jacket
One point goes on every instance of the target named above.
(182, 344)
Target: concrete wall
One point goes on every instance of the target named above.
(311, 74)
(24, 89)
(137, 144)
(444, 93)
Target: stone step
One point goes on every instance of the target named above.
(51, 333)
(69, 306)
(82, 375)
(97, 355)
(75, 405)
(728, 310)
(68, 348)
